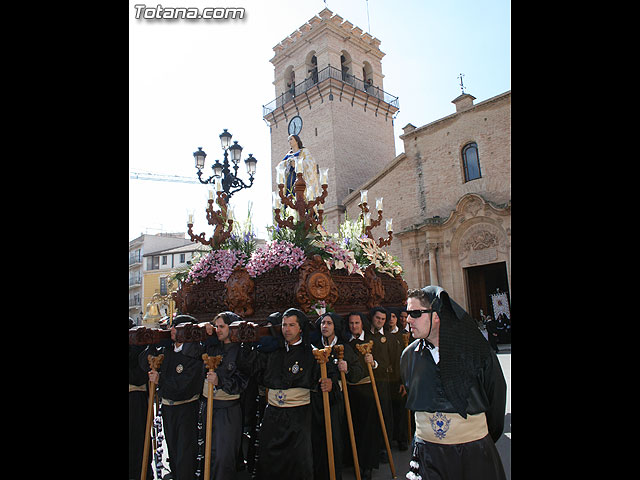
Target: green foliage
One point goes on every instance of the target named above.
(243, 237)
(299, 236)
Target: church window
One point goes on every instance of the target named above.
(471, 162)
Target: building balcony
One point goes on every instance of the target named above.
(323, 75)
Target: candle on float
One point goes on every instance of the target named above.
(363, 196)
(367, 219)
(277, 203)
(280, 176)
(310, 193)
(390, 225)
(191, 218)
(218, 185)
(324, 176)
(379, 203)
(299, 165)
(210, 194)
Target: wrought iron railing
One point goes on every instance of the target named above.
(325, 74)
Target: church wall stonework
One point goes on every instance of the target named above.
(431, 205)
(439, 147)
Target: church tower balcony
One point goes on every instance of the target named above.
(353, 84)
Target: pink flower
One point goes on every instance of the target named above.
(219, 263)
(275, 254)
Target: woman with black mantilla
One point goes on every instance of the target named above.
(456, 388)
(289, 371)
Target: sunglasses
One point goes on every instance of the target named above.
(417, 313)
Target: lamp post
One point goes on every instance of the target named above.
(225, 181)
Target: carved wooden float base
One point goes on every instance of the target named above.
(255, 299)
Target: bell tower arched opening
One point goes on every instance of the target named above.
(345, 66)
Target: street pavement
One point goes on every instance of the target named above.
(401, 458)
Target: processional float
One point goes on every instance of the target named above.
(278, 289)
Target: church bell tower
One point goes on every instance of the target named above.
(329, 91)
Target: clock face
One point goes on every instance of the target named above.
(295, 125)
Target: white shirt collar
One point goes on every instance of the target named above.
(361, 337)
(435, 352)
(177, 349)
(335, 340)
(297, 343)
(380, 331)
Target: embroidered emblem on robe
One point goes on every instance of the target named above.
(281, 397)
(440, 424)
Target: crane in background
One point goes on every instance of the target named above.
(157, 177)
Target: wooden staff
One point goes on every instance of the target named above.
(339, 349)
(154, 363)
(322, 357)
(405, 340)
(365, 348)
(211, 363)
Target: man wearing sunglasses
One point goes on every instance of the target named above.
(456, 389)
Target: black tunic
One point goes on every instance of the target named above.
(138, 401)
(425, 393)
(227, 414)
(285, 435)
(366, 423)
(339, 429)
(384, 352)
(400, 418)
(181, 376)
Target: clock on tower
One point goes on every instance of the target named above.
(295, 125)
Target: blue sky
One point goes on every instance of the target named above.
(189, 79)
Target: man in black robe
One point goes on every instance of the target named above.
(179, 385)
(394, 332)
(366, 424)
(253, 401)
(138, 400)
(384, 352)
(456, 388)
(229, 382)
(331, 328)
(289, 371)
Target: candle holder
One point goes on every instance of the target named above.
(374, 223)
(223, 226)
(305, 209)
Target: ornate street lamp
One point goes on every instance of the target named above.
(225, 181)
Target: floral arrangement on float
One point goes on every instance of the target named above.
(299, 248)
(348, 249)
